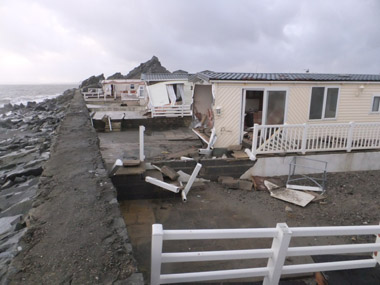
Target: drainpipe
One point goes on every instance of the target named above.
(190, 182)
(141, 142)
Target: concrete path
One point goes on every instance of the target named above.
(75, 232)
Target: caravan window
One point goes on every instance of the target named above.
(175, 92)
(323, 103)
(375, 104)
(141, 91)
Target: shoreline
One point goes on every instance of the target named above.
(74, 221)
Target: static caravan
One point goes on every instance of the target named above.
(170, 94)
(289, 112)
(131, 92)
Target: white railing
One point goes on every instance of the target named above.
(313, 138)
(171, 111)
(95, 94)
(276, 255)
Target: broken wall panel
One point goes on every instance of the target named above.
(202, 105)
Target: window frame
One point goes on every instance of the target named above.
(372, 101)
(141, 90)
(324, 103)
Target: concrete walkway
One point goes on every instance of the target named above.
(75, 232)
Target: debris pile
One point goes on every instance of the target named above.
(177, 180)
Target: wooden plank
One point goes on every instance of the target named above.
(202, 136)
(292, 196)
(239, 154)
(131, 162)
(169, 172)
(155, 174)
(133, 170)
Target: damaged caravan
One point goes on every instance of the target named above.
(130, 92)
(289, 112)
(170, 94)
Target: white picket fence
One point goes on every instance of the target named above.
(171, 111)
(314, 138)
(276, 255)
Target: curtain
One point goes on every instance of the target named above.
(181, 92)
(171, 94)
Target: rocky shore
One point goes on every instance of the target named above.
(71, 231)
(26, 134)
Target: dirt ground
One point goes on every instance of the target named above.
(351, 200)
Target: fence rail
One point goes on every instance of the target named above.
(171, 111)
(96, 94)
(304, 138)
(276, 255)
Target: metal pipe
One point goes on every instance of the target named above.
(141, 142)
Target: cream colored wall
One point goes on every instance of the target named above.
(351, 106)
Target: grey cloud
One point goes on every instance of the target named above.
(90, 37)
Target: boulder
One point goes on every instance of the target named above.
(92, 82)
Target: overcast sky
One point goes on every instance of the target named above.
(46, 41)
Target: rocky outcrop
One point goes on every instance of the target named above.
(151, 66)
(117, 75)
(92, 82)
(180, 71)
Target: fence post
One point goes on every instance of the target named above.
(254, 139)
(376, 254)
(304, 138)
(141, 142)
(350, 136)
(157, 236)
(280, 248)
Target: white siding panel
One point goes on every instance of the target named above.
(227, 125)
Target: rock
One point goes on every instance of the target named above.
(258, 183)
(288, 209)
(229, 182)
(180, 71)
(151, 66)
(245, 185)
(92, 82)
(31, 104)
(117, 75)
(7, 184)
(35, 171)
(19, 179)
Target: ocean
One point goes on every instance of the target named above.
(17, 94)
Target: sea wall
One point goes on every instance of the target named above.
(26, 134)
(74, 230)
